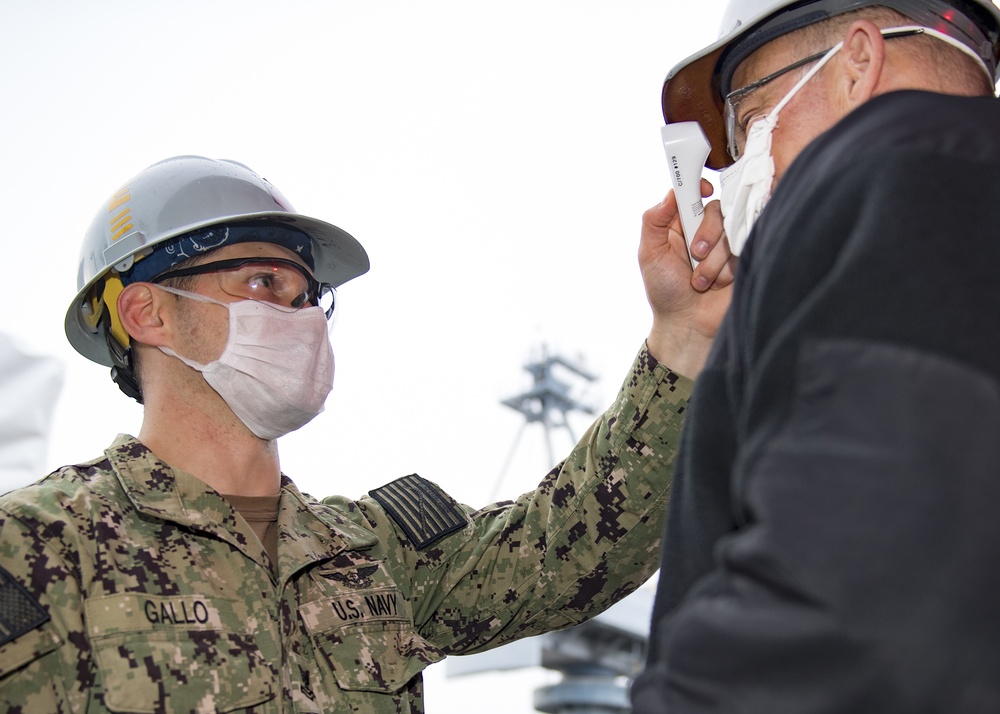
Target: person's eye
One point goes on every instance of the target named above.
(752, 118)
(748, 117)
(261, 281)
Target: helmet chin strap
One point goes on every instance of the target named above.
(123, 371)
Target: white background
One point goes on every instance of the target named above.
(493, 157)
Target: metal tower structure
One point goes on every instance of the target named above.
(596, 659)
(547, 401)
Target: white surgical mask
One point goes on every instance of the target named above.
(746, 185)
(277, 367)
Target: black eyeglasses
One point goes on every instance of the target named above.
(273, 280)
(735, 134)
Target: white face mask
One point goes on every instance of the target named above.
(746, 185)
(277, 367)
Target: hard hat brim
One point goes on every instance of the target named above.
(690, 94)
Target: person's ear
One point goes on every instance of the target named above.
(144, 314)
(863, 61)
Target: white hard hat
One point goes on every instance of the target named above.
(168, 200)
(695, 89)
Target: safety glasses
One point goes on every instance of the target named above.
(735, 134)
(273, 280)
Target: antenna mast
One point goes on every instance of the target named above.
(592, 657)
(548, 402)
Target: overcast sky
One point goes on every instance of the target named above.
(494, 158)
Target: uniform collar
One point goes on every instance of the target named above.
(309, 532)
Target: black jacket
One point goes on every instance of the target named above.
(833, 535)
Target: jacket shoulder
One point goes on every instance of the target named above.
(421, 509)
(412, 508)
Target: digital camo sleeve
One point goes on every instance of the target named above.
(41, 630)
(587, 536)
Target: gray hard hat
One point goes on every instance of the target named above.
(695, 89)
(170, 199)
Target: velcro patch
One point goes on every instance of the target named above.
(19, 611)
(421, 509)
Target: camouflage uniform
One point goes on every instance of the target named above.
(133, 587)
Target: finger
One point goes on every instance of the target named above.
(663, 214)
(710, 233)
(707, 189)
(710, 249)
(716, 266)
(721, 255)
(662, 240)
(720, 264)
(661, 227)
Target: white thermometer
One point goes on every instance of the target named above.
(687, 150)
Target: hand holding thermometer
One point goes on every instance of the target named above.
(687, 150)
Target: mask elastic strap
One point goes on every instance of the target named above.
(961, 46)
(885, 32)
(189, 362)
(805, 78)
(194, 296)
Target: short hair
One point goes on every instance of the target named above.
(947, 64)
(184, 282)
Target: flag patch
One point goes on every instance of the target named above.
(19, 611)
(424, 511)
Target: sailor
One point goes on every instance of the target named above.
(182, 571)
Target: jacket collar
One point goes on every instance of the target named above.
(309, 531)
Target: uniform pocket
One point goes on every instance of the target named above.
(27, 648)
(374, 657)
(171, 655)
(202, 671)
(368, 640)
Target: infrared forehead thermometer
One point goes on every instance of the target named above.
(687, 150)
